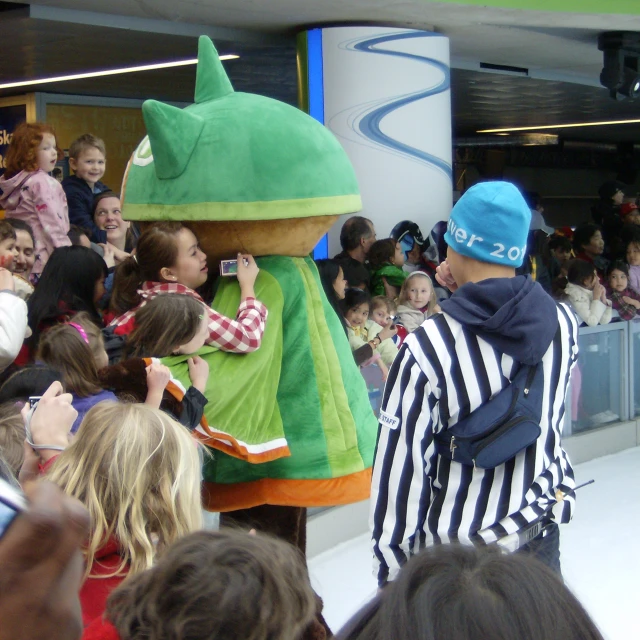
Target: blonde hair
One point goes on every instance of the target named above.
(383, 301)
(404, 292)
(12, 436)
(137, 471)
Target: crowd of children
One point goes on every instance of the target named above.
(88, 306)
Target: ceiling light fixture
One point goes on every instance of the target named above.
(109, 72)
(573, 125)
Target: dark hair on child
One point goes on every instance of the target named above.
(66, 286)
(353, 230)
(75, 234)
(32, 380)
(157, 248)
(217, 584)
(6, 231)
(618, 265)
(578, 271)
(21, 225)
(63, 347)
(465, 593)
(22, 154)
(354, 298)
(329, 271)
(12, 435)
(560, 242)
(163, 324)
(382, 252)
(583, 234)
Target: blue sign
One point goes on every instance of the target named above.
(10, 118)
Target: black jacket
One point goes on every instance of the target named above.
(80, 202)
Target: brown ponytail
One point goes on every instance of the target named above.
(157, 248)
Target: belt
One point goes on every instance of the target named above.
(523, 537)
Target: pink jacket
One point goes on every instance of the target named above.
(39, 200)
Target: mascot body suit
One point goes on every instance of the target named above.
(289, 425)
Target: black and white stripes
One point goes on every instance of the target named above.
(442, 373)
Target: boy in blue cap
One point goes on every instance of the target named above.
(495, 326)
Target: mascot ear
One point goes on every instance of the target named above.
(211, 78)
(173, 135)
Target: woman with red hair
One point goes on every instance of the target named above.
(30, 194)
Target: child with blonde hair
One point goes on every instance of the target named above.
(383, 310)
(417, 301)
(30, 194)
(135, 469)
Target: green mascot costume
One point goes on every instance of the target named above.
(289, 425)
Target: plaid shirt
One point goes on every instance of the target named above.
(626, 311)
(242, 335)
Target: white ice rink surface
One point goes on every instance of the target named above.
(600, 553)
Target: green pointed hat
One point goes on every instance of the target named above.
(235, 156)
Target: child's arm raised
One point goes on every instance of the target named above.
(244, 334)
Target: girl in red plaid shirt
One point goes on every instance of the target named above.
(625, 300)
(168, 259)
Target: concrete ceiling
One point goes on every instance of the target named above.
(559, 50)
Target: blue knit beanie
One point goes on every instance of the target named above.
(490, 223)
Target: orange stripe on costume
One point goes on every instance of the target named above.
(288, 493)
(254, 454)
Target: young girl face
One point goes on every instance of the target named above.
(381, 316)
(197, 342)
(108, 217)
(8, 253)
(190, 268)
(618, 280)
(358, 316)
(340, 284)
(633, 254)
(47, 153)
(398, 258)
(25, 254)
(419, 292)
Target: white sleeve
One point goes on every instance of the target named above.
(13, 326)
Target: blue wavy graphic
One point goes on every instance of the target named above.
(369, 124)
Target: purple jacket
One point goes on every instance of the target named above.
(82, 405)
(38, 199)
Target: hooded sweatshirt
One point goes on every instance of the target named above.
(514, 315)
(455, 362)
(38, 199)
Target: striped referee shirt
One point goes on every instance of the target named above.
(442, 373)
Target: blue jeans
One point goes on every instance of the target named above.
(546, 549)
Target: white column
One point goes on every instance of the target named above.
(387, 99)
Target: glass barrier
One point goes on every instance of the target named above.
(634, 367)
(605, 384)
(597, 394)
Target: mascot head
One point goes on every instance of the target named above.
(245, 172)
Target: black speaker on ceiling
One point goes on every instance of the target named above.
(620, 73)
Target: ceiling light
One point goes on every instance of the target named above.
(109, 72)
(573, 125)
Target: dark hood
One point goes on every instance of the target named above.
(514, 315)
